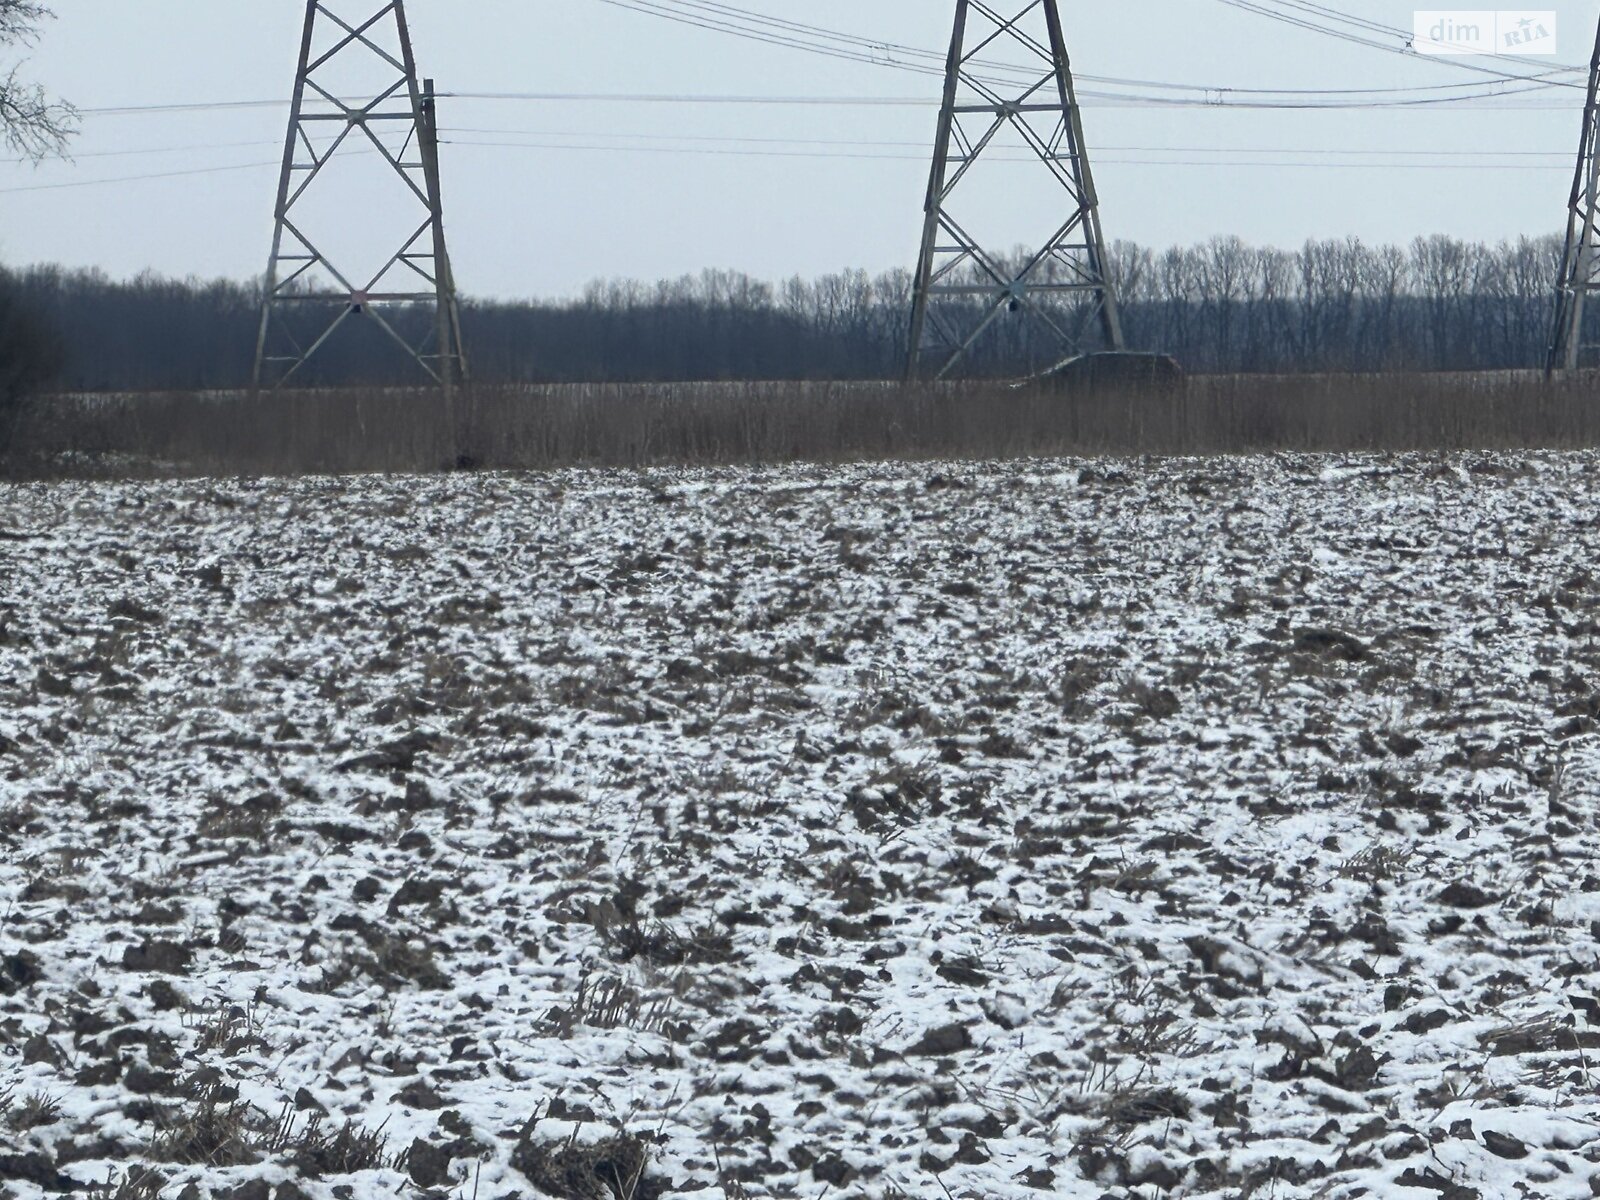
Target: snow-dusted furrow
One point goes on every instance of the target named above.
(1182, 829)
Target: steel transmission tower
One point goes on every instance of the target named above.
(1578, 263)
(961, 289)
(418, 272)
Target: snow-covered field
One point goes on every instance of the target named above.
(1219, 829)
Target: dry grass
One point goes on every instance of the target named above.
(135, 1183)
(616, 1167)
(608, 1003)
(1377, 863)
(185, 434)
(34, 1111)
(208, 1134)
(215, 1134)
(319, 1148)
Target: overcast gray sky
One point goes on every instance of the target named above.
(605, 188)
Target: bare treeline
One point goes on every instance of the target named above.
(1342, 305)
(1225, 306)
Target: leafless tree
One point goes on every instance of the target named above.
(1332, 305)
(1221, 268)
(31, 123)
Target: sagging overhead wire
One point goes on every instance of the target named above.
(921, 146)
(772, 38)
(737, 21)
(1486, 97)
(1405, 36)
(1548, 77)
(1112, 159)
(760, 27)
(458, 134)
(889, 48)
(719, 16)
(1110, 155)
(1187, 156)
(62, 185)
(1482, 97)
(81, 183)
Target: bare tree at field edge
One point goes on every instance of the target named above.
(32, 124)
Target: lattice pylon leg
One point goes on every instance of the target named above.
(953, 269)
(1582, 254)
(422, 262)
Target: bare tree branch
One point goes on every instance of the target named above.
(31, 123)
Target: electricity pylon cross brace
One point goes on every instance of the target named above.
(418, 273)
(1582, 256)
(961, 289)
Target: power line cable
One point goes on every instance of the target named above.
(933, 61)
(1287, 18)
(1111, 158)
(727, 19)
(124, 110)
(74, 157)
(1494, 92)
(1489, 97)
(1406, 36)
(500, 131)
(736, 13)
(770, 38)
(1346, 18)
(1564, 155)
(82, 183)
(353, 151)
(1111, 155)
(1210, 96)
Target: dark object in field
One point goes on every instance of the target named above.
(427, 1164)
(169, 958)
(947, 1039)
(19, 970)
(962, 974)
(1331, 643)
(398, 755)
(1131, 1109)
(1123, 371)
(1504, 1145)
(418, 1094)
(1465, 895)
(35, 1168)
(129, 609)
(614, 1169)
